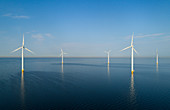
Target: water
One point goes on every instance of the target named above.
(84, 83)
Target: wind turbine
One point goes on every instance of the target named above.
(157, 56)
(62, 54)
(22, 47)
(108, 53)
(132, 70)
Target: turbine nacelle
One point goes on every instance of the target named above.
(131, 46)
(22, 47)
(62, 55)
(62, 52)
(107, 51)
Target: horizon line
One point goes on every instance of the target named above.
(82, 57)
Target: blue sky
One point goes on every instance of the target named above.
(85, 27)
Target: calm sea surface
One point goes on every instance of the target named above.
(84, 83)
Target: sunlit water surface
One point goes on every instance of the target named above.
(84, 83)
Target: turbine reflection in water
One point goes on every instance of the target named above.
(157, 72)
(108, 71)
(157, 68)
(62, 71)
(22, 91)
(132, 92)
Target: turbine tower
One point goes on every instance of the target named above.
(133, 49)
(157, 56)
(62, 55)
(108, 53)
(22, 47)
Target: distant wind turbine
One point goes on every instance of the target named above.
(62, 55)
(108, 53)
(132, 70)
(22, 47)
(157, 56)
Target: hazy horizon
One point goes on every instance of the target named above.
(82, 57)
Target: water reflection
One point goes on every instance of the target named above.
(62, 68)
(108, 71)
(157, 72)
(157, 68)
(62, 72)
(132, 91)
(22, 90)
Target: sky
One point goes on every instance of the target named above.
(85, 27)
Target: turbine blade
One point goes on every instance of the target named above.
(29, 50)
(23, 40)
(16, 49)
(65, 53)
(125, 48)
(135, 51)
(132, 39)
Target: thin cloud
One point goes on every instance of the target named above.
(166, 38)
(7, 14)
(38, 36)
(150, 35)
(29, 32)
(48, 35)
(21, 17)
(16, 16)
(41, 36)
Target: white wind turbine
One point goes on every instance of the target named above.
(157, 56)
(108, 53)
(22, 47)
(132, 70)
(62, 55)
